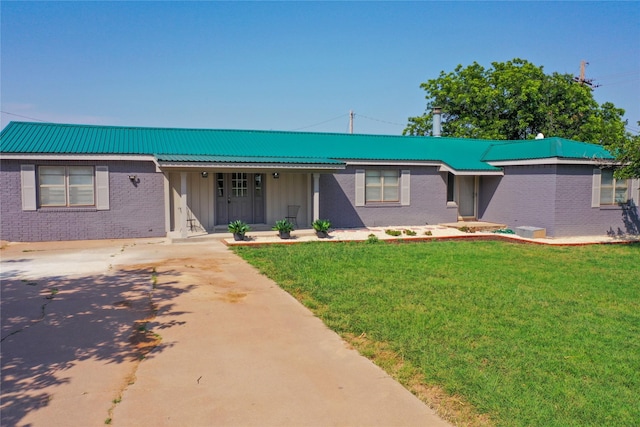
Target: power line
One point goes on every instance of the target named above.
(632, 129)
(619, 82)
(320, 123)
(25, 117)
(381, 121)
(618, 75)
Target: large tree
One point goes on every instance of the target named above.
(627, 152)
(517, 100)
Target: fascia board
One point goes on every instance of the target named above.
(104, 157)
(446, 168)
(80, 157)
(235, 165)
(551, 161)
(351, 162)
(441, 166)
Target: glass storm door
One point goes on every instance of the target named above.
(466, 196)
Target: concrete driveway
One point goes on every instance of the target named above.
(81, 320)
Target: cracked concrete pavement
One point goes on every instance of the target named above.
(235, 349)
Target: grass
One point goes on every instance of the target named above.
(521, 335)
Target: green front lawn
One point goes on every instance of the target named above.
(515, 335)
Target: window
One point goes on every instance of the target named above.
(451, 182)
(220, 184)
(257, 185)
(66, 185)
(374, 187)
(612, 191)
(382, 186)
(239, 184)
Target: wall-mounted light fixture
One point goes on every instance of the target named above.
(133, 178)
(204, 174)
(276, 175)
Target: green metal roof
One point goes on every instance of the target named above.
(214, 145)
(545, 148)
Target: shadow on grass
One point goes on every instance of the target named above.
(51, 324)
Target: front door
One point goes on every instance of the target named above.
(239, 195)
(466, 197)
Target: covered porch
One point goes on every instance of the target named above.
(203, 197)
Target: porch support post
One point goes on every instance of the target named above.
(316, 196)
(183, 204)
(167, 203)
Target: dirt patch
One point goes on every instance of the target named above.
(210, 265)
(233, 297)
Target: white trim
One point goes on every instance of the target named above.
(28, 187)
(167, 202)
(235, 166)
(445, 168)
(84, 157)
(405, 187)
(441, 166)
(389, 163)
(360, 190)
(316, 196)
(635, 191)
(595, 187)
(183, 204)
(81, 157)
(551, 161)
(102, 188)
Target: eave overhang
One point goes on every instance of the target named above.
(187, 162)
(75, 156)
(471, 172)
(442, 167)
(551, 161)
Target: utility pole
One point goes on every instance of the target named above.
(582, 79)
(351, 121)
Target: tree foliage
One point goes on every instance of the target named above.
(627, 152)
(517, 100)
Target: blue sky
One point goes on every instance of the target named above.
(291, 65)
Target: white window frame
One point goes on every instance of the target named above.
(404, 188)
(68, 186)
(30, 187)
(382, 187)
(598, 187)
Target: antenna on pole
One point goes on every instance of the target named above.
(351, 121)
(582, 79)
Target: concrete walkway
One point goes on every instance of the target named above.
(235, 349)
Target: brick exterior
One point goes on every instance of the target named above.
(134, 211)
(574, 214)
(428, 201)
(525, 195)
(554, 197)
